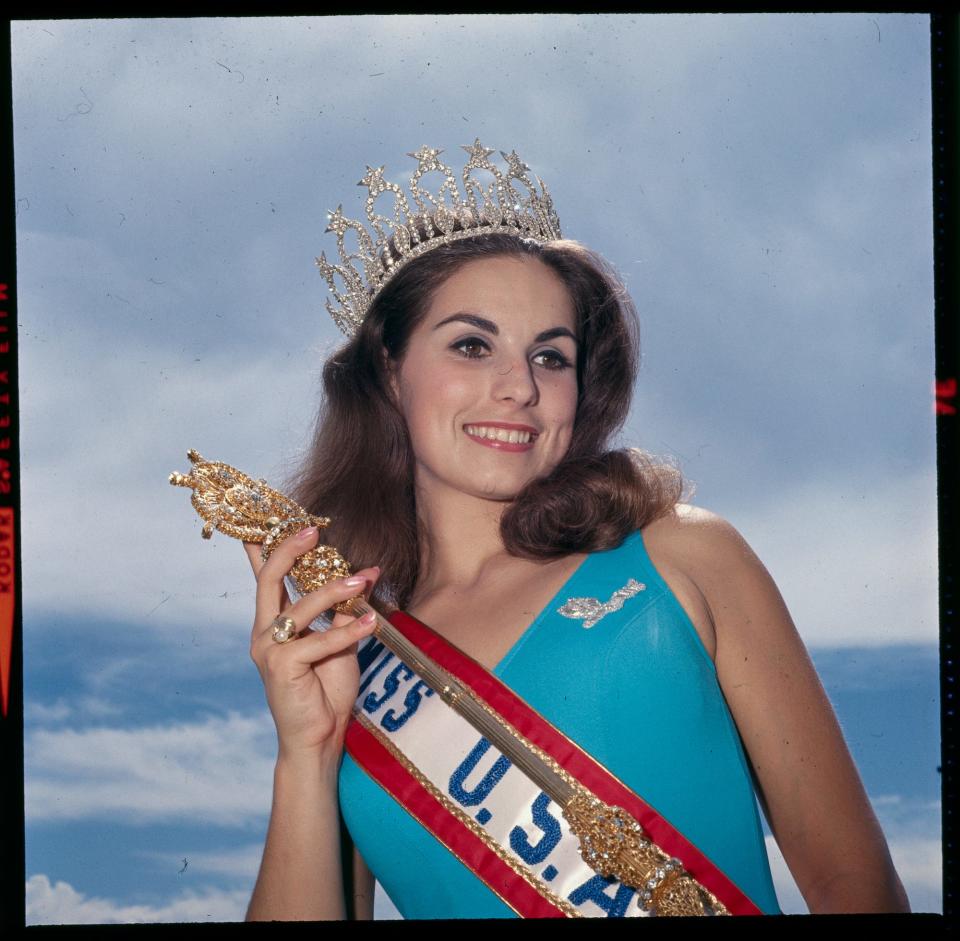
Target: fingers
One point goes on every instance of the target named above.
(271, 596)
(311, 606)
(314, 645)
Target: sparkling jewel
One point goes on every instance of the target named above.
(592, 610)
(511, 203)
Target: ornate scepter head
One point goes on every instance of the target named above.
(238, 506)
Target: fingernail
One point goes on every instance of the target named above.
(307, 533)
(369, 618)
(354, 580)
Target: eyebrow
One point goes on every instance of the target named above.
(488, 326)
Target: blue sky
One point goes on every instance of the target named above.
(763, 184)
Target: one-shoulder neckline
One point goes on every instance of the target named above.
(546, 610)
(634, 537)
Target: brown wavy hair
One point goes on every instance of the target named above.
(360, 468)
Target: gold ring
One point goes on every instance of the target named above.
(284, 628)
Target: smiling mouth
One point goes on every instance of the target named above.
(502, 435)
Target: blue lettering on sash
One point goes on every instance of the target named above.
(366, 654)
(391, 721)
(390, 685)
(539, 851)
(473, 797)
(594, 890)
(374, 672)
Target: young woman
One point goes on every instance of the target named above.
(463, 449)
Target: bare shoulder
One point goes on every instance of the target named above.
(693, 532)
(681, 544)
(714, 573)
(707, 548)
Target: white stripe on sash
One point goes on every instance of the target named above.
(476, 782)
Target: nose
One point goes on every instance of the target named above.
(514, 381)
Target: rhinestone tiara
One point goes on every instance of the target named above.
(427, 220)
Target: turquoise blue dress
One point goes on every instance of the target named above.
(639, 692)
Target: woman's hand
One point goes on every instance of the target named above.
(311, 682)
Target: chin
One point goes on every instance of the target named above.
(502, 490)
(497, 493)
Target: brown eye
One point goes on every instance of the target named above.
(552, 360)
(471, 348)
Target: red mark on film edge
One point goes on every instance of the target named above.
(944, 389)
(7, 533)
(7, 583)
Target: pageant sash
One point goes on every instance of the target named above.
(486, 810)
(543, 824)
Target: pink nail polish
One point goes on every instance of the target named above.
(354, 581)
(307, 533)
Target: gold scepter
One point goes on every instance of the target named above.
(612, 842)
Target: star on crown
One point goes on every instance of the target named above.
(509, 203)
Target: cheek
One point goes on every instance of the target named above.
(565, 436)
(431, 398)
(566, 411)
(562, 417)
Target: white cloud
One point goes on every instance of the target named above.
(35, 711)
(93, 519)
(912, 828)
(61, 904)
(241, 863)
(855, 566)
(788, 895)
(79, 709)
(176, 772)
(383, 907)
(920, 866)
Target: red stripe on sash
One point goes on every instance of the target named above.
(394, 778)
(573, 759)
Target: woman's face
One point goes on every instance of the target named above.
(488, 384)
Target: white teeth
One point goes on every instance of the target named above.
(509, 436)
